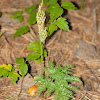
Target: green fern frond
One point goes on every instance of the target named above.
(67, 69)
(50, 89)
(72, 87)
(73, 78)
(57, 82)
(42, 88)
(51, 64)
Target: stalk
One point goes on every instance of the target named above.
(82, 4)
(42, 30)
(41, 59)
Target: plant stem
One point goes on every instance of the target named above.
(41, 58)
(82, 4)
(42, 1)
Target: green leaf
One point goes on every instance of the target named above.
(23, 68)
(21, 30)
(45, 53)
(14, 76)
(51, 28)
(49, 91)
(52, 1)
(20, 60)
(1, 66)
(41, 89)
(55, 11)
(20, 18)
(8, 67)
(34, 46)
(18, 13)
(51, 88)
(51, 64)
(32, 18)
(4, 72)
(33, 56)
(73, 78)
(33, 7)
(69, 92)
(62, 23)
(1, 70)
(14, 16)
(38, 60)
(68, 5)
(72, 87)
(0, 34)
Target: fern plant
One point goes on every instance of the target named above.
(57, 82)
(59, 78)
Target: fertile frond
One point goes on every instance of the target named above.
(40, 22)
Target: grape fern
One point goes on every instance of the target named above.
(57, 82)
(60, 78)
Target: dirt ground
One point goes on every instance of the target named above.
(80, 47)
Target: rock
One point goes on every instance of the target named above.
(28, 81)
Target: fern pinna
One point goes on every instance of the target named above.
(57, 82)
